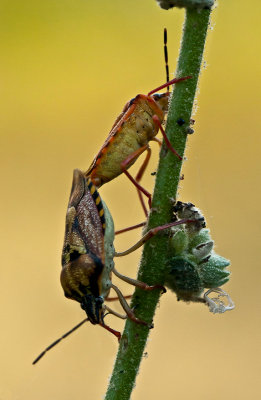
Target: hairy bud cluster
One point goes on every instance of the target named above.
(193, 265)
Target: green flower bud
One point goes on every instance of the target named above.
(211, 275)
(179, 242)
(218, 261)
(183, 278)
(201, 237)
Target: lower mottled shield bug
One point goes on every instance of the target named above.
(88, 253)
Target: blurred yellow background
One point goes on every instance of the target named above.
(67, 68)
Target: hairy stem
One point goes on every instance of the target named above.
(152, 267)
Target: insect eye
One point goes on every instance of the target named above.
(132, 101)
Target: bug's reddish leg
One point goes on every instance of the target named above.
(129, 296)
(139, 284)
(139, 176)
(144, 191)
(142, 203)
(130, 228)
(155, 139)
(152, 232)
(175, 80)
(157, 122)
(144, 165)
(126, 163)
(128, 310)
(115, 333)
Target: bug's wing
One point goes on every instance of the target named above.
(78, 188)
(118, 119)
(84, 230)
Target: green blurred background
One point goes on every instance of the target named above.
(67, 68)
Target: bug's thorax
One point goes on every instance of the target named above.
(162, 100)
(144, 107)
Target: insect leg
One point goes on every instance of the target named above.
(155, 139)
(127, 162)
(175, 80)
(139, 176)
(139, 284)
(129, 296)
(142, 203)
(169, 146)
(127, 308)
(115, 312)
(152, 232)
(115, 333)
(130, 228)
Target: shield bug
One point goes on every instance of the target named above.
(88, 257)
(88, 252)
(135, 127)
(129, 137)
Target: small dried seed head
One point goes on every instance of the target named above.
(219, 304)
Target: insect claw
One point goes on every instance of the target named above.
(162, 288)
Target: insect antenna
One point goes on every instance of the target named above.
(166, 56)
(59, 340)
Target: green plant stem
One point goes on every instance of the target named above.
(153, 260)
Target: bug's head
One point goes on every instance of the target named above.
(80, 279)
(93, 306)
(162, 100)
